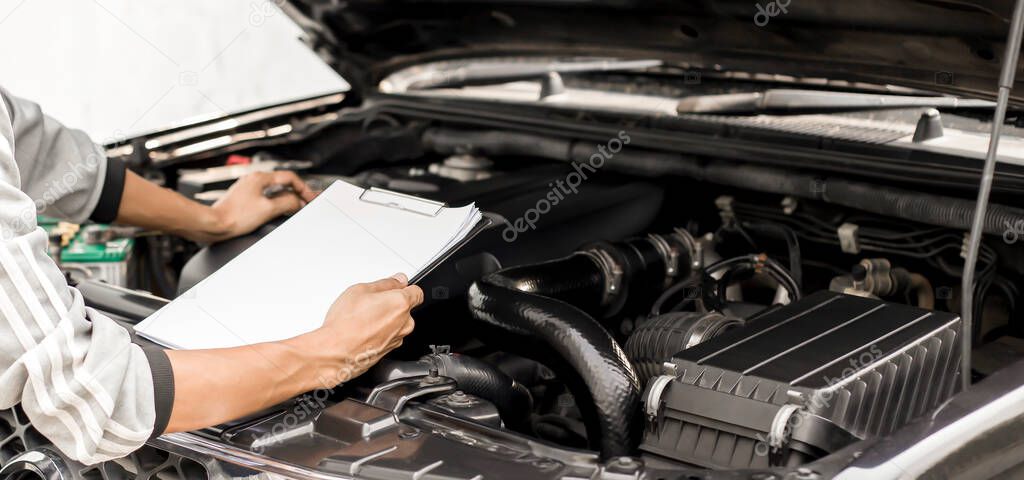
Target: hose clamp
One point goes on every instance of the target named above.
(668, 253)
(692, 246)
(612, 270)
(39, 463)
(780, 431)
(652, 402)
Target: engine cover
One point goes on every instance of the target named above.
(801, 381)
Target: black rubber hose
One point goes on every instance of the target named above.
(659, 338)
(474, 377)
(547, 311)
(576, 280)
(920, 207)
(577, 347)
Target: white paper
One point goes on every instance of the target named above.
(283, 285)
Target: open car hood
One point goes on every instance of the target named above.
(949, 46)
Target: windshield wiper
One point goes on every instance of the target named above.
(488, 73)
(785, 101)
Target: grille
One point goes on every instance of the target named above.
(17, 434)
(147, 463)
(839, 128)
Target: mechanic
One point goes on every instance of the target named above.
(77, 374)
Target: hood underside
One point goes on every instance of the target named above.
(938, 45)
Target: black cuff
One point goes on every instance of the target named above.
(110, 198)
(163, 387)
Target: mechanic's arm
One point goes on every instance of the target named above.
(69, 177)
(97, 396)
(365, 322)
(240, 211)
(78, 377)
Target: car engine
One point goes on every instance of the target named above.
(622, 312)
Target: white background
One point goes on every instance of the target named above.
(118, 67)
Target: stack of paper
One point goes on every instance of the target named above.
(283, 285)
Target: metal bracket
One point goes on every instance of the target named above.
(394, 395)
(441, 349)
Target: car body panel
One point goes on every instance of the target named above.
(953, 47)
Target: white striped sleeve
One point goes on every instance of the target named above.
(76, 373)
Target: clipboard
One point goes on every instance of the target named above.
(402, 201)
(482, 225)
(347, 235)
(422, 206)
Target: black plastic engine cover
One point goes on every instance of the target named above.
(801, 381)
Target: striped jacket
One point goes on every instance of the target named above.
(76, 373)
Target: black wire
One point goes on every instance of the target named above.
(786, 278)
(158, 269)
(758, 263)
(1009, 291)
(828, 234)
(792, 244)
(690, 281)
(929, 244)
(867, 242)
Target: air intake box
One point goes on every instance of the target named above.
(801, 381)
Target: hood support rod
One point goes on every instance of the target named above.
(1006, 77)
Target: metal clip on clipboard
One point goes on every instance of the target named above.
(402, 201)
(421, 206)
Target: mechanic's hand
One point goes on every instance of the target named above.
(367, 321)
(244, 208)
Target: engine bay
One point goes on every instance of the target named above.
(626, 311)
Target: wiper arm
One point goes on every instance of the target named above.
(783, 101)
(482, 74)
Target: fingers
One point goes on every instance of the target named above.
(382, 285)
(285, 177)
(393, 344)
(413, 295)
(287, 204)
(410, 324)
